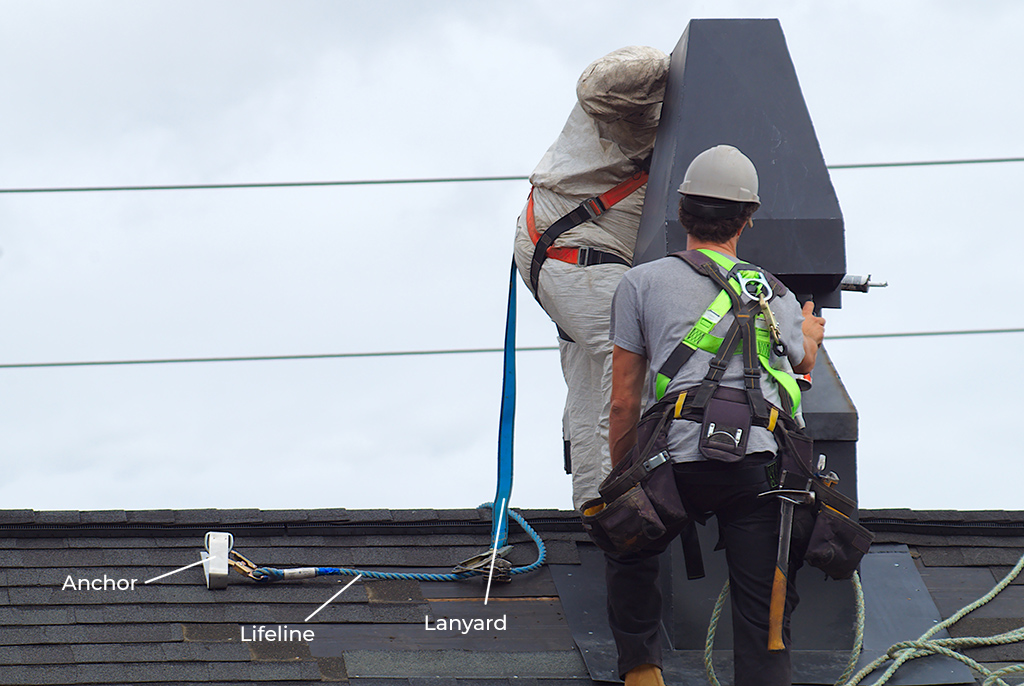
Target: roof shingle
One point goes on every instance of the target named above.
(175, 631)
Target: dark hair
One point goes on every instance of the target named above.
(716, 230)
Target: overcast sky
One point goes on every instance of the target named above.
(186, 92)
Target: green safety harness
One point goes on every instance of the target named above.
(747, 291)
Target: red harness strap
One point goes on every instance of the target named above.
(595, 206)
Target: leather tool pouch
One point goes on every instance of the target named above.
(837, 543)
(639, 509)
(726, 427)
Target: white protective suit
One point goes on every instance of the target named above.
(610, 131)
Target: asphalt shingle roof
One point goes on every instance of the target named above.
(176, 631)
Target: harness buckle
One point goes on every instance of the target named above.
(583, 256)
(593, 206)
(656, 461)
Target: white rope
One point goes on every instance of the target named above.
(858, 639)
(901, 653)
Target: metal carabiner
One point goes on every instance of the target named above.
(241, 564)
(773, 327)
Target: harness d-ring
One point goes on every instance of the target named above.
(757, 280)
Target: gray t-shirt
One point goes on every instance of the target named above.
(656, 305)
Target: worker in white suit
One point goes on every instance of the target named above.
(588, 189)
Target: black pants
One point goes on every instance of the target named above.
(749, 529)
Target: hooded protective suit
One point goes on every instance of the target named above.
(608, 136)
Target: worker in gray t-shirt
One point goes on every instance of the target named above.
(655, 306)
(669, 296)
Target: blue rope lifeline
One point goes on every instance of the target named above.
(271, 574)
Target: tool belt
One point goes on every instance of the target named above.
(639, 508)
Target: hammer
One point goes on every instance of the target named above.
(789, 498)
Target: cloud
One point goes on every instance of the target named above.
(190, 92)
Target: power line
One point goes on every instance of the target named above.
(455, 179)
(268, 358)
(933, 163)
(276, 184)
(854, 336)
(453, 351)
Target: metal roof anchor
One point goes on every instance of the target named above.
(216, 558)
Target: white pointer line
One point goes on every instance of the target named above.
(494, 555)
(333, 597)
(182, 569)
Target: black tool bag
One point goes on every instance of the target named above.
(639, 509)
(725, 429)
(837, 543)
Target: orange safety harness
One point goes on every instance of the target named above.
(589, 209)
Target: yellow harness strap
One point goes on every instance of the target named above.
(679, 404)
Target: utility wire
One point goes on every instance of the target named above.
(853, 336)
(933, 163)
(458, 179)
(281, 184)
(455, 351)
(269, 358)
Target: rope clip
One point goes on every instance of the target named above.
(242, 564)
(482, 564)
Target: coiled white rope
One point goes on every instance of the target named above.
(858, 639)
(903, 652)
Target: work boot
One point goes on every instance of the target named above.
(644, 675)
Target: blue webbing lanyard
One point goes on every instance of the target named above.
(506, 424)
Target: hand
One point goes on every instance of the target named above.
(813, 326)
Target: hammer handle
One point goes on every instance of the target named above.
(776, 611)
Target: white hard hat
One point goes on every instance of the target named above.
(722, 172)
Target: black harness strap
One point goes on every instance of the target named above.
(692, 555)
(540, 251)
(705, 266)
(746, 318)
(591, 208)
(718, 365)
(743, 329)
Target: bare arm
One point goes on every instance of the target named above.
(814, 333)
(628, 372)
